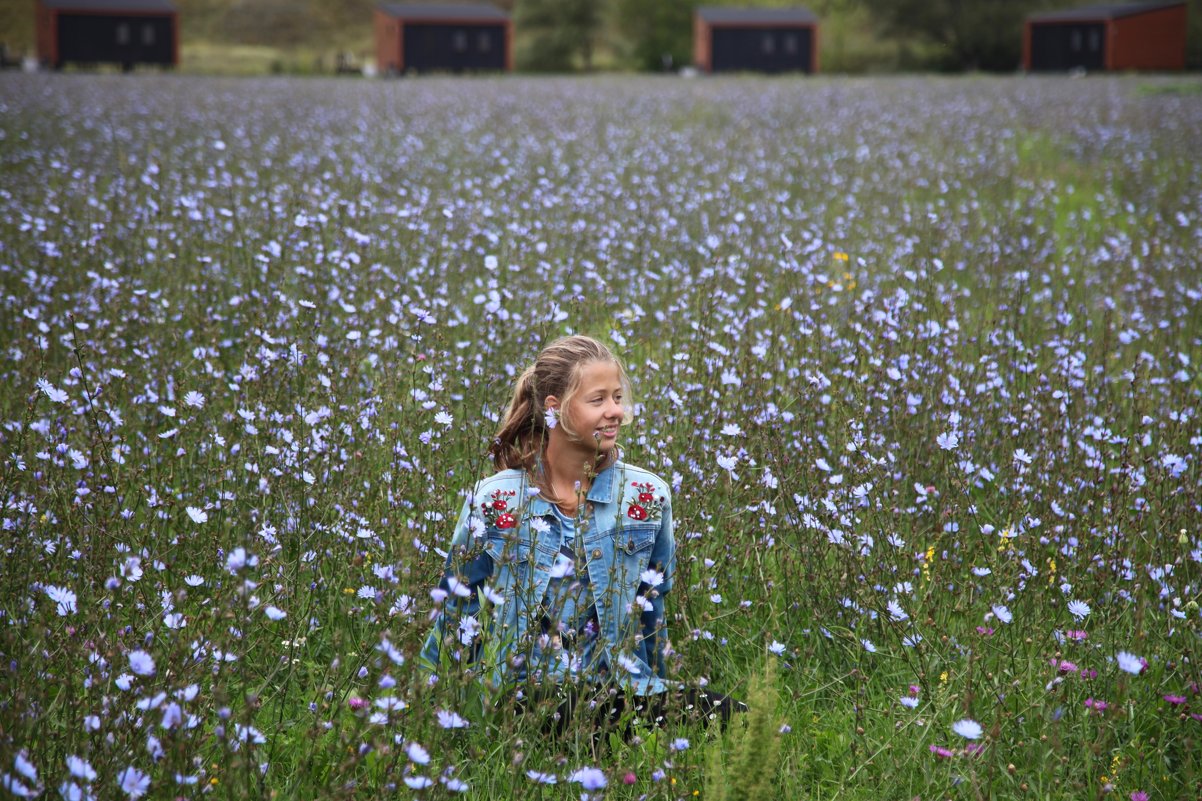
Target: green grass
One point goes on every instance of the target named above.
(1171, 87)
(208, 58)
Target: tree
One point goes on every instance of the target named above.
(659, 34)
(973, 34)
(1193, 35)
(558, 32)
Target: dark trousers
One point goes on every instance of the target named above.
(607, 709)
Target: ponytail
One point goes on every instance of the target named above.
(519, 440)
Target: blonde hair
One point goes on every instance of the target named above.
(522, 435)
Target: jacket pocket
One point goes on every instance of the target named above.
(632, 548)
(511, 557)
(632, 540)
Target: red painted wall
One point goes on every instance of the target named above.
(1151, 41)
(47, 42)
(701, 44)
(388, 43)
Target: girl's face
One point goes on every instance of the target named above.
(595, 411)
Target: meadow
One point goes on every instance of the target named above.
(920, 358)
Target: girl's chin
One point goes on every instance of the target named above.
(605, 444)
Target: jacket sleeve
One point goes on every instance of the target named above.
(654, 621)
(466, 570)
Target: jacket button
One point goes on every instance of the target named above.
(596, 553)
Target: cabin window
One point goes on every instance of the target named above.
(123, 33)
(459, 41)
(147, 34)
(485, 42)
(769, 44)
(1095, 41)
(1075, 40)
(791, 44)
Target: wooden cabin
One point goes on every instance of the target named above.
(122, 32)
(1128, 36)
(442, 38)
(769, 40)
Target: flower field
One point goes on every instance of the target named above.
(920, 358)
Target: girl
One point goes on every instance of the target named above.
(559, 563)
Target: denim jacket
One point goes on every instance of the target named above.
(501, 557)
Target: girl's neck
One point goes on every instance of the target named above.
(568, 474)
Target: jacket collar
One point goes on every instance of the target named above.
(602, 490)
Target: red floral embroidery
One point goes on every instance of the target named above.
(649, 506)
(496, 510)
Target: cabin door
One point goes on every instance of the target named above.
(1065, 46)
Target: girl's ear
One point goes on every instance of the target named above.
(550, 402)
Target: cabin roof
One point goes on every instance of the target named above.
(459, 11)
(717, 15)
(114, 6)
(1099, 12)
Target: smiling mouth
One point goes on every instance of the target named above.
(609, 431)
